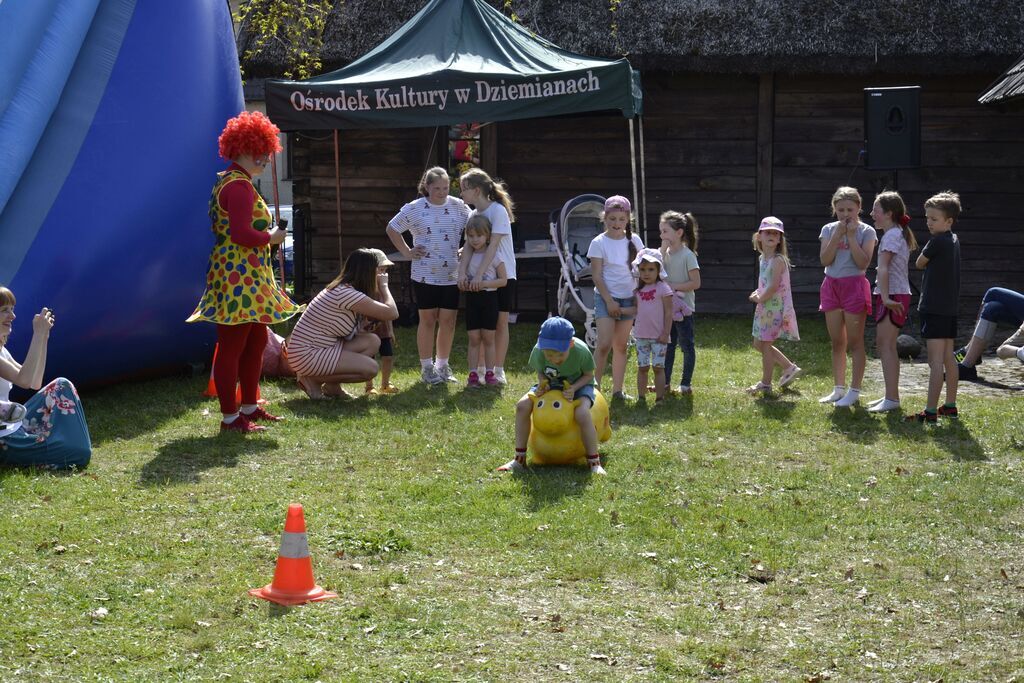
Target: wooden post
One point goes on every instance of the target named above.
(765, 143)
(337, 197)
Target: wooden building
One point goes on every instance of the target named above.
(750, 108)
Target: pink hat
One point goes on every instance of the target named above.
(652, 256)
(617, 202)
(771, 223)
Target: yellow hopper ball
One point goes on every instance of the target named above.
(554, 435)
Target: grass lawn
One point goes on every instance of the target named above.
(733, 538)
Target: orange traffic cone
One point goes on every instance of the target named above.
(293, 578)
(211, 388)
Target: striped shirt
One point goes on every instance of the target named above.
(314, 346)
(438, 228)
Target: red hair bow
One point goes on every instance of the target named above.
(904, 220)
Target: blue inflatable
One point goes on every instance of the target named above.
(109, 117)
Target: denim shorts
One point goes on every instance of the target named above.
(586, 391)
(601, 310)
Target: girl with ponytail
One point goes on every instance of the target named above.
(490, 198)
(679, 252)
(892, 290)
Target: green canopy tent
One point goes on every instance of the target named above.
(457, 61)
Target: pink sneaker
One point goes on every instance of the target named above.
(474, 380)
(490, 379)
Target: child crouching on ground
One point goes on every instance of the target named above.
(386, 332)
(565, 364)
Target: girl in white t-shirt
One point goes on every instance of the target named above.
(490, 198)
(892, 290)
(611, 256)
(435, 221)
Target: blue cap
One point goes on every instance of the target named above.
(555, 335)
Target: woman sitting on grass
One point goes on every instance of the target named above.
(327, 348)
(50, 430)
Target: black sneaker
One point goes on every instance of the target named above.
(923, 416)
(968, 373)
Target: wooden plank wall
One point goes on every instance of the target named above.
(704, 138)
(974, 150)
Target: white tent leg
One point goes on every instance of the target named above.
(632, 160)
(643, 179)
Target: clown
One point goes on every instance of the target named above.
(241, 295)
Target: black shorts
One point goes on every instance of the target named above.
(935, 326)
(385, 347)
(482, 310)
(436, 296)
(506, 295)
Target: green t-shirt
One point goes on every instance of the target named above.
(579, 362)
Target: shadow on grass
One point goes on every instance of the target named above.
(993, 384)
(855, 423)
(955, 437)
(547, 486)
(778, 407)
(150, 404)
(650, 412)
(183, 461)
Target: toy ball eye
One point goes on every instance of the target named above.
(556, 405)
(540, 403)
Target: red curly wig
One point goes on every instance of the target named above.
(251, 132)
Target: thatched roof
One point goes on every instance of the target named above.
(743, 36)
(1008, 88)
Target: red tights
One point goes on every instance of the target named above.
(239, 359)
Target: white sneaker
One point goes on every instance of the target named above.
(884, 406)
(851, 399)
(430, 375)
(499, 374)
(512, 466)
(446, 374)
(836, 394)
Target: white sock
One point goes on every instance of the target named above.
(248, 409)
(426, 363)
(499, 369)
(883, 406)
(481, 371)
(228, 419)
(440, 362)
(849, 399)
(837, 393)
(1020, 354)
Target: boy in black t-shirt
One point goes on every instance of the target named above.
(940, 293)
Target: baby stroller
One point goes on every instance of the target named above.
(572, 229)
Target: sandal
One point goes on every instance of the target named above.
(315, 394)
(789, 375)
(759, 388)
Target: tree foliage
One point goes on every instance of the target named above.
(296, 26)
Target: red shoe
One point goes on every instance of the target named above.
(260, 415)
(241, 424)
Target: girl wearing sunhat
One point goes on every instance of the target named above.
(774, 316)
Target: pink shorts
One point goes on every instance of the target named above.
(851, 294)
(897, 319)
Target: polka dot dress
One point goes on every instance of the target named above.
(240, 284)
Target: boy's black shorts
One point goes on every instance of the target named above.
(935, 326)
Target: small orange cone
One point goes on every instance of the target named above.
(293, 578)
(211, 388)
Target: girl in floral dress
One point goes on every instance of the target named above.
(51, 431)
(774, 317)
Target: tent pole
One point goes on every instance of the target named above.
(632, 159)
(277, 214)
(643, 176)
(337, 197)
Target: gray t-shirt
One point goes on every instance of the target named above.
(843, 265)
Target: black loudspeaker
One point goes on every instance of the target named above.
(892, 127)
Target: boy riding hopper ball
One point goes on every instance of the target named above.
(293, 578)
